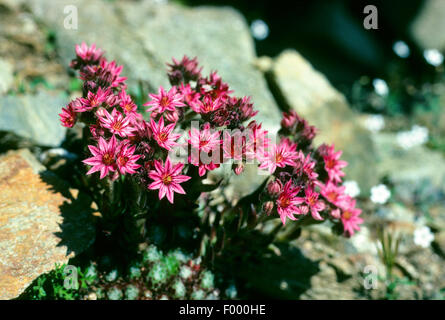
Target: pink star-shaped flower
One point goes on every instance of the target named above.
(167, 179)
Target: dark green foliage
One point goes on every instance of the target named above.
(153, 275)
(55, 286)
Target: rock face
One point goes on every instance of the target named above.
(310, 94)
(410, 169)
(440, 241)
(6, 77)
(427, 27)
(34, 117)
(36, 224)
(137, 36)
(110, 33)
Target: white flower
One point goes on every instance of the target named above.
(375, 122)
(380, 194)
(351, 188)
(380, 87)
(423, 236)
(401, 49)
(259, 29)
(415, 137)
(433, 57)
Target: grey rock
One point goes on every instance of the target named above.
(310, 94)
(34, 117)
(396, 212)
(362, 242)
(429, 267)
(427, 26)
(325, 285)
(241, 185)
(407, 267)
(439, 240)
(416, 167)
(6, 77)
(106, 29)
(437, 213)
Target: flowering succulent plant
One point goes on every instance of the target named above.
(200, 119)
(306, 181)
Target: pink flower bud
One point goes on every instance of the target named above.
(268, 207)
(112, 100)
(238, 168)
(96, 131)
(101, 113)
(304, 210)
(289, 119)
(309, 132)
(336, 214)
(274, 188)
(172, 116)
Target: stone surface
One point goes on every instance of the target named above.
(106, 29)
(341, 265)
(6, 77)
(34, 117)
(416, 167)
(310, 94)
(427, 27)
(429, 267)
(39, 227)
(437, 213)
(439, 239)
(26, 45)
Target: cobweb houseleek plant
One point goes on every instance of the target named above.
(138, 182)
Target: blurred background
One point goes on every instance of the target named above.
(377, 94)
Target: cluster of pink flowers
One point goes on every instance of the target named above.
(124, 143)
(305, 182)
